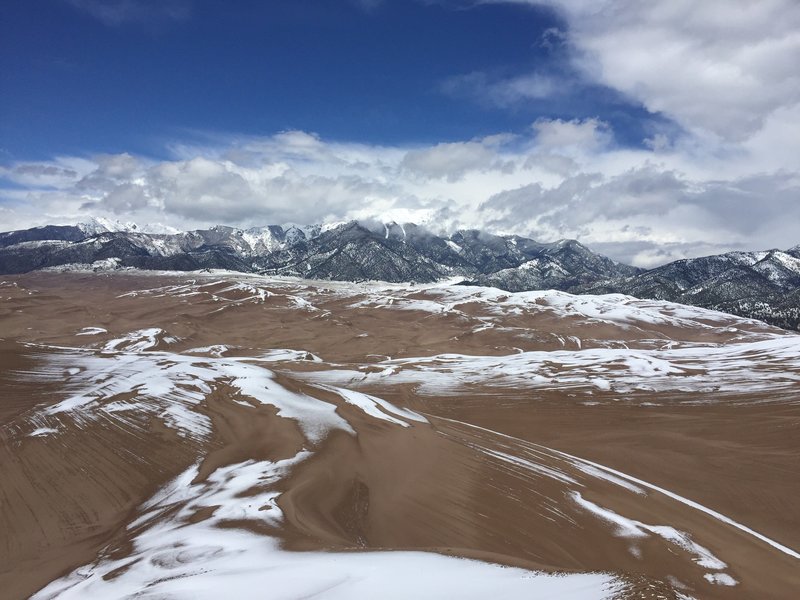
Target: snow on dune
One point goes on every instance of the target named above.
(42, 431)
(92, 331)
(617, 309)
(631, 528)
(691, 503)
(142, 339)
(722, 368)
(138, 382)
(631, 483)
(171, 386)
(175, 556)
(378, 408)
(183, 545)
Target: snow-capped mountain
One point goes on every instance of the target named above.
(348, 251)
(562, 265)
(98, 225)
(763, 285)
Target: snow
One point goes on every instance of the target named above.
(779, 267)
(162, 247)
(703, 556)
(746, 361)
(630, 528)
(401, 303)
(141, 339)
(720, 579)
(176, 556)
(173, 557)
(329, 226)
(216, 350)
(583, 464)
(453, 246)
(598, 474)
(42, 431)
(39, 244)
(106, 264)
(302, 303)
(287, 355)
(261, 239)
(372, 406)
(180, 559)
(171, 386)
(92, 331)
(623, 527)
(736, 367)
(159, 387)
(315, 417)
(258, 293)
(615, 309)
(539, 469)
(98, 225)
(696, 505)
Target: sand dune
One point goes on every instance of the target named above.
(190, 436)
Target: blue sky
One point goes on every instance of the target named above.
(649, 131)
(389, 72)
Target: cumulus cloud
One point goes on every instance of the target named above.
(559, 135)
(451, 161)
(558, 179)
(718, 67)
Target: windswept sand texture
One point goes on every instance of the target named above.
(219, 435)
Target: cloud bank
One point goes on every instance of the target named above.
(558, 179)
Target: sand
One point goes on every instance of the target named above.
(653, 443)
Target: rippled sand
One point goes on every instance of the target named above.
(190, 436)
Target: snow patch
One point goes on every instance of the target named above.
(373, 405)
(42, 431)
(176, 556)
(720, 579)
(139, 340)
(92, 331)
(630, 528)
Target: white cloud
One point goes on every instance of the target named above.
(560, 179)
(718, 67)
(563, 136)
(451, 161)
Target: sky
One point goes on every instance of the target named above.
(648, 131)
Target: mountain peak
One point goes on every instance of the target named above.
(760, 284)
(98, 225)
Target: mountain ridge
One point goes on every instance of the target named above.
(762, 284)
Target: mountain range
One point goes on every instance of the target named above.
(762, 285)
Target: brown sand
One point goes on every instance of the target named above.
(433, 486)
